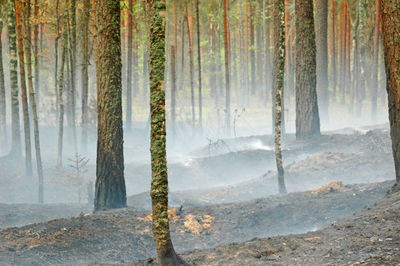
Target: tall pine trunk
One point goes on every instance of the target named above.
(32, 98)
(321, 33)
(391, 37)
(129, 68)
(19, 11)
(199, 66)
(374, 94)
(307, 116)
(332, 41)
(227, 80)
(85, 74)
(3, 121)
(110, 183)
(36, 54)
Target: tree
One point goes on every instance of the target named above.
(32, 98)
(85, 74)
(391, 37)
(129, 68)
(199, 65)
(15, 121)
(3, 122)
(110, 190)
(159, 180)
(19, 11)
(278, 78)
(227, 81)
(321, 33)
(307, 116)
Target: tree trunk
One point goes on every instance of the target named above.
(189, 22)
(36, 54)
(278, 72)
(173, 90)
(227, 81)
(307, 117)
(391, 37)
(110, 183)
(321, 33)
(374, 94)
(60, 95)
(32, 98)
(199, 66)
(129, 68)
(3, 116)
(252, 50)
(72, 59)
(15, 121)
(159, 181)
(28, 156)
(56, 59)
(85, 74)
(333, 77)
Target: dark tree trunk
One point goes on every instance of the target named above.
(159, 181)
(56, 59)
(28, 155)
(307, 117)
(110, 183)
(278, 77)
(321, 33)
(391, 37)
(36, 55)
(15, 120)
(333, 77)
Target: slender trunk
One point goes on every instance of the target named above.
(173, 91)
(60, 94)
(252, 51)
(129, 68)
(32, 98)
(56, 59)
(159, 182)
(110, 183)
(72, 57)
(199, 66)
(189, 22)
(15, 120)
(307, 116)
(227, 81)
(321, 33)
(374, 94)
(246, 49)
(278, 73)
(3, 115)
(85, 74)
(28, 156)
(36, 54)
(268, 56)
(333, 77)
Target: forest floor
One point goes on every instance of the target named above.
(327, 179)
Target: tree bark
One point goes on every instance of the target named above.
(32, 99)
(110, 183)
(374, 94)
(19, 10)
(307, 117)
(321, 33)
(3, 115)
(278, 73)
(159, 181)
(199, 66)
(391, 37)
(85, 74)
(227, 81)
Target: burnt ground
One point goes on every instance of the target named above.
(247, 208)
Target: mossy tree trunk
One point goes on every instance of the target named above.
(307, 116)
(391, 38)
(278, 73)
(159, 180)
(19, 11)
(110, 183)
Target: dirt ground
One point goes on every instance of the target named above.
(327, 179)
